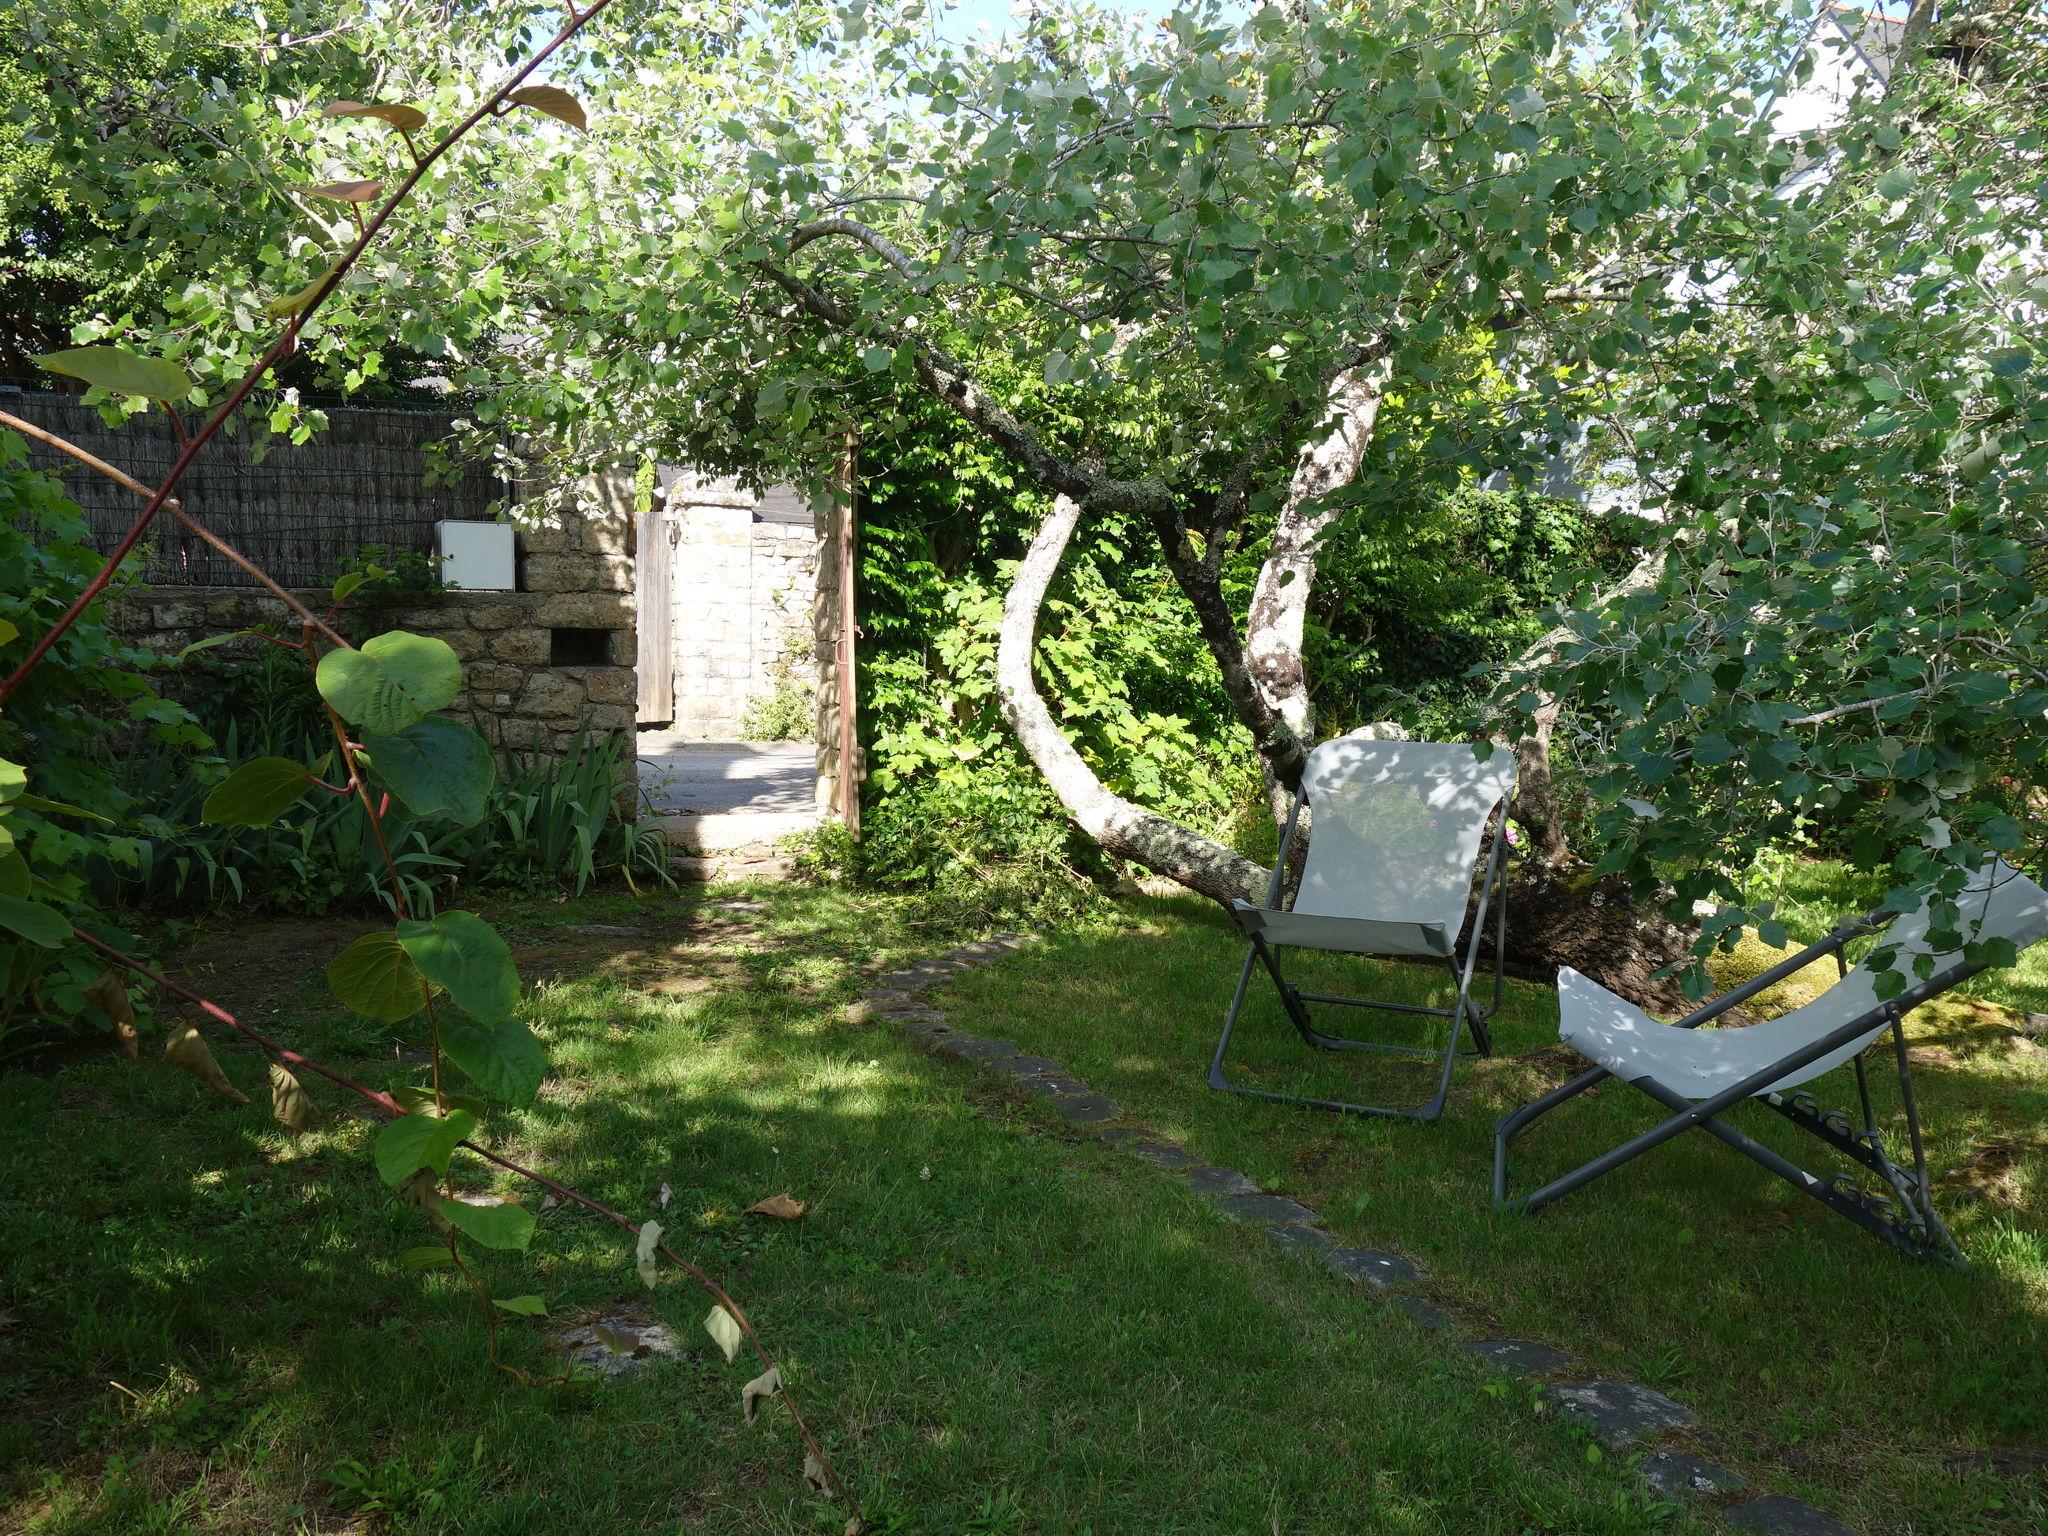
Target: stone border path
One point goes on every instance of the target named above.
(1622, 1415)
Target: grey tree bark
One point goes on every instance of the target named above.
(1279, 611)
(1125, 830)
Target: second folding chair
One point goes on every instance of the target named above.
(1394, 836)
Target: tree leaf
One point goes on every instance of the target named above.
(187, 1050)
(463, 953)
(503, 1058)
(120, 372)
(494, 1226)
(8, 633)
(431, 1256)
(521, 1306)
(400, 115)
(13, 780)
(438, 769)
(34, 921)
(256, 794)
(29, 802)
(393, 680)
(781, 1207)
(725, 1332)
(292, 303)
(345, 584)
(418, 1099)
(816, 1480)
(14, 880)
(288, 1101)
(758, 1391)
(348, 191)
(413, 1142)
(554, 101)
(644, 1256)
(423, 1191)
(111, 998)
(375, 976)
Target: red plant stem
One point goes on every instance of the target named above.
(282, 347)
(392, 1107)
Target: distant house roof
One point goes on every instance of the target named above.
(782, 504)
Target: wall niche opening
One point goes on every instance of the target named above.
(579, 647)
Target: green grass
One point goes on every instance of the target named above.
(1823, 1364)
(995, 1324)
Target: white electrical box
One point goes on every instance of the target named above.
(476, 557)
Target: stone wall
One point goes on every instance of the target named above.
(537, 663)
(742, 598)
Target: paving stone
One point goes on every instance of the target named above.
(1301, 1239)
(1052, 1085)
(1087, 1108)
(1161, 1154)
(1117, 1135)
(1381, 1270)
(1520, 1357)
(1027, 1066)
(1775, 1515)
(1219, 1181)
(620, 1342)
(1267, 1210)
(977, 1047)
(1420, 1312)
(926, 1029)
(1619, 1412)
(1677, 1475)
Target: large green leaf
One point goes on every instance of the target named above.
(463, 953)
(392, 681)
(495, 1226)
(256, 794)
(13, 874)
(437, 768)
(503, 1059)
(412, 1142)
(120, 371)
(375, 976)
(13, 780)
(34, 921)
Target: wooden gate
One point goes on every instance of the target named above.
(653, 560)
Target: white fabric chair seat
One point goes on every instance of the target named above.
(1346, 935)
(1614, 1033)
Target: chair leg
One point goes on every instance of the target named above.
(1298, 1013)
(1515, 1121)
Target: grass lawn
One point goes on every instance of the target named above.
(996, 1324)
(1822, 1363)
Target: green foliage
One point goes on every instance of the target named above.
(391, 681)
(437, 769)
(63, 810)
(376, 977)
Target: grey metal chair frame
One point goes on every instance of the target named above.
(1905, 1218)
(1460, 1013)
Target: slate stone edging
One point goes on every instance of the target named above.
(1623, 1415)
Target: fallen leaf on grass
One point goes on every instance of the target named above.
(288, 1101)
(781, 1207)
(666, 1195)
(725, 1331)
(187, 1050)
(643, 1252)
(814, 1473)
(756, 1392)
(111, 998)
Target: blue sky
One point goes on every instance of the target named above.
(965, 17)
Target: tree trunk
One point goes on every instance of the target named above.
(1535, 791)
(1279, 611)
(1125, 830)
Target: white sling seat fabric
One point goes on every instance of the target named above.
(1394, 842)
(1699, 1063)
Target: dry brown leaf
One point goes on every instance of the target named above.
(349, 191)
(187, 1050)
(644, 1253)
(288, 1101)
(756, 1392)
(853, 1527)
(111, 998)
(814, 1473)
(720, 1324)
(781, 1207)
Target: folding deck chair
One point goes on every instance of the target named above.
(1394, 843)
(1698, 1073)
